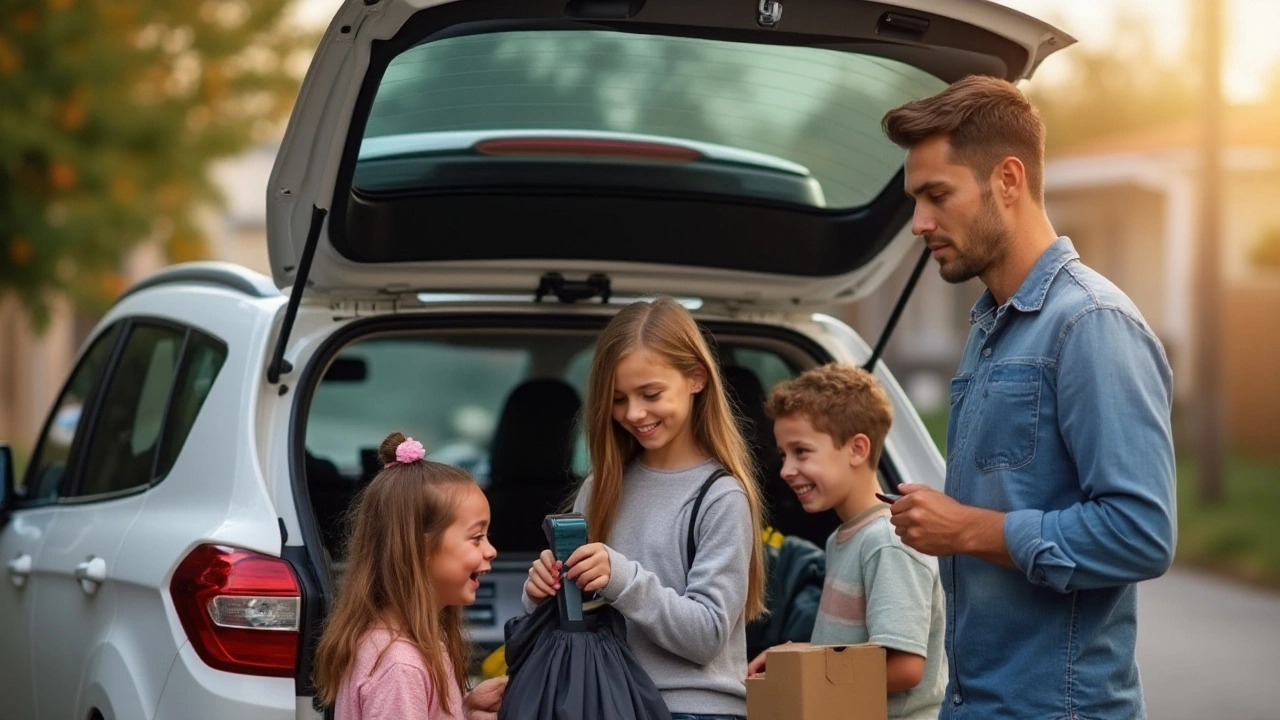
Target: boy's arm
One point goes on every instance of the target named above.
(899, 587)
(903, 670)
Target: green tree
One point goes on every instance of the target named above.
(112, 112)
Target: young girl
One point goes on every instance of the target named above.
(393, 647)
(657, 425)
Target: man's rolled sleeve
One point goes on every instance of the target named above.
(1042, 562)
(1114, 385)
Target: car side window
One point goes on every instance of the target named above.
(201, 361)
(122, 450)
(768, 366)
(53, 452)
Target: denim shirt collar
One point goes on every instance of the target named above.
(1031, 294)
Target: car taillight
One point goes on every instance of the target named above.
(241, 610)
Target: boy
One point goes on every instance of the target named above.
(830, 425)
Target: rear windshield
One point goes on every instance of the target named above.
(798, 124)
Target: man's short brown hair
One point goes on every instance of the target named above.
(839, 400)
(985, 119)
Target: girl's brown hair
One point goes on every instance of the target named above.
(395, 525)
(667, 329)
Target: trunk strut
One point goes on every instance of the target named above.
(278, 364)
(897, 311)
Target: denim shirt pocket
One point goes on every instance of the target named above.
(959, 386)
(1010, 416)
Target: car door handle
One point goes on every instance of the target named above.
(91, 573)
(20, 569)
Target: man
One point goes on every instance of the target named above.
(1060, 469)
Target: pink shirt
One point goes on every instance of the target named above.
(399, 687)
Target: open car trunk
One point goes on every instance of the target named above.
(669, 146)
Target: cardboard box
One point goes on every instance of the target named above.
(820, 682)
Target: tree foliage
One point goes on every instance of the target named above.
(1265, 253)
(112, 112)
(1115, 87)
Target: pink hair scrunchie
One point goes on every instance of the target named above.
(408, 451)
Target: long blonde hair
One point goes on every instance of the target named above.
(396, 523)
(667, 329)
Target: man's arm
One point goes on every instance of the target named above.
(1114, 415)
(1114, 398)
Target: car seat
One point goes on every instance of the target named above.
(747, 395)
(531, 460)
(331, 494)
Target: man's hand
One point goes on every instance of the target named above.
(483, 700)
(934, 524)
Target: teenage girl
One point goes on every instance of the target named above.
(394, 646)
(657, 426)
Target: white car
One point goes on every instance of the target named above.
(466, 192)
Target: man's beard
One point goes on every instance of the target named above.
(987, 239)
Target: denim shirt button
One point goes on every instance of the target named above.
(957, 699)
(986, 352)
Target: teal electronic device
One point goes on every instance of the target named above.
(566, 533)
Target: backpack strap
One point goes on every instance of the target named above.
(691, 545)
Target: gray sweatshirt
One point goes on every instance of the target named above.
(688, 632)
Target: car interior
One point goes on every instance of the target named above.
(507, 407)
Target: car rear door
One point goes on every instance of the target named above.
(99, 499)
(22, 540)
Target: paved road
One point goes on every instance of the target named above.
(1208, 649)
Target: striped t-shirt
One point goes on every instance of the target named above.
(879, 590)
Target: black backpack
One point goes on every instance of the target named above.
(794, 573)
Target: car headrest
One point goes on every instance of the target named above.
(534, 438)
(747, 394)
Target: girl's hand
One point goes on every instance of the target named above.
(483, 701)
(589, 567)
(544, 577)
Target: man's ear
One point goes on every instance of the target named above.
(859, 449)
(1009, 180)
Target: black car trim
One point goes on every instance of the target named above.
(29, 476)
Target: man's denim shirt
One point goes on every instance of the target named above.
(1060, 417)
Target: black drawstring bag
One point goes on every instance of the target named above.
(587, 674)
